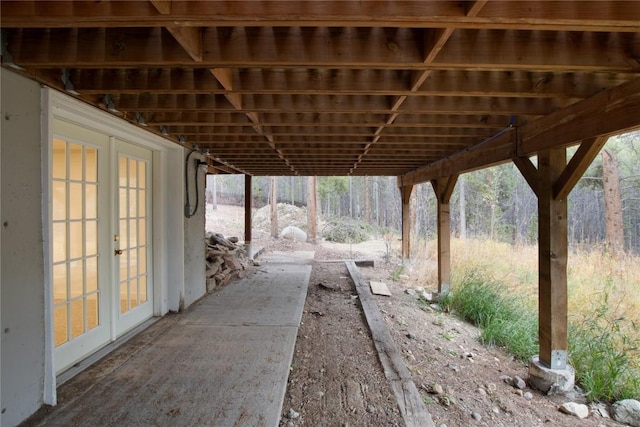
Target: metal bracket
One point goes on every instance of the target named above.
(558, 359)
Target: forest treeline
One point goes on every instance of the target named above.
(494, 203)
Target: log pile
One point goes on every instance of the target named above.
(225, 260)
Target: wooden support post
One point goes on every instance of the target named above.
(406, 223)
(247, 212)
(443, 188)
(552, 261)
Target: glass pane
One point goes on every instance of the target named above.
(91, 272)
(92, 311)
(133, 205)
(91, 238)
(142, 203)
(124, 207)
(59, 241)
(133, 288)
(60, 324)
(75, 162)
(59, 283)
(142, 175)
(75, 239)
(142, 260)
(143, 289)
(59, 167)
(122, 171)
(76, 279)
(123, 266)
(75, 201)
(91, 164)
(133, 262)
(142, 232)
(133, 173)
(77, 317)
(59, 200)
(133, 235)
(91, 201)
(124, 235)
(124, 297)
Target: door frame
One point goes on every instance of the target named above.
(167, 238)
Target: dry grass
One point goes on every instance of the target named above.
(591, 275)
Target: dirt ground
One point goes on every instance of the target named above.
(337, 380)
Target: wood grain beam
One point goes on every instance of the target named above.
(528, 171)
(577, 166)
(574, 15)
(287, 47)
(608, 113)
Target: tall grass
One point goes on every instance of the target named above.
(495, 287)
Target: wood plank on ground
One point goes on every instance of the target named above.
(358, 262)
(412, 408)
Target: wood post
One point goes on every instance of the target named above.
(247, 210)
(443, 187)
(406, 223)
(552, 261)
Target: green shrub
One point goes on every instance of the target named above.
(345, 231)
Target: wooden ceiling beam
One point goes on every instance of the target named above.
(575, 15)
(610, 112)
(323, 48)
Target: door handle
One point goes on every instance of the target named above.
(117, 252)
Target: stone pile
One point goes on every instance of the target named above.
(225, 260)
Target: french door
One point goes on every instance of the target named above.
(100, 217)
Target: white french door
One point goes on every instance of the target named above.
(101, 261)
(131, 236)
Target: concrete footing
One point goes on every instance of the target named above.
(550, 381)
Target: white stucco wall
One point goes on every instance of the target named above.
(22, 281)
(194, 259)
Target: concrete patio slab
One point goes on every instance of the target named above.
(225, 362)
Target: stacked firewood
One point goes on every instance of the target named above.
(225, 260)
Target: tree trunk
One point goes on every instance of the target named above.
(273, 197)
(367, 199)
(312, 224)
(463, 210)
(614, 229)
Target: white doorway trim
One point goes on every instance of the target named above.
(168, 223)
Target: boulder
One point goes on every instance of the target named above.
(627, 412)
(294, 233)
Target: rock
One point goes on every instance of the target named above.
(427, 296)
(294, 233)
(293, 415)
(491, 388)
(410, 292)
(476, 416)
(519, 383)
(627, 412)
(519, 392)
(371, 409)
(495, 410)
(482, 392)
(507, 379)
(528, 395)
(437, 389)
(576, 409)
(233, 239)
(411, 335)
(600, 409)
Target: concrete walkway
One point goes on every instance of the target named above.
(225, 362)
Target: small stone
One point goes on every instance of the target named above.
(411, 292)
(437, 389)
(528, 395)
(411, 335)
(293, 415)
(576, 409)
(427, 296)
(600, 409)
(233, 239)
(482, 392)
(320, 394)
(476, 416)
(627, 412)
(371, 409)
(495, 410)
(491, 388)
(507, 379)
(442, 425)
(519, 383)
(519, 392)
